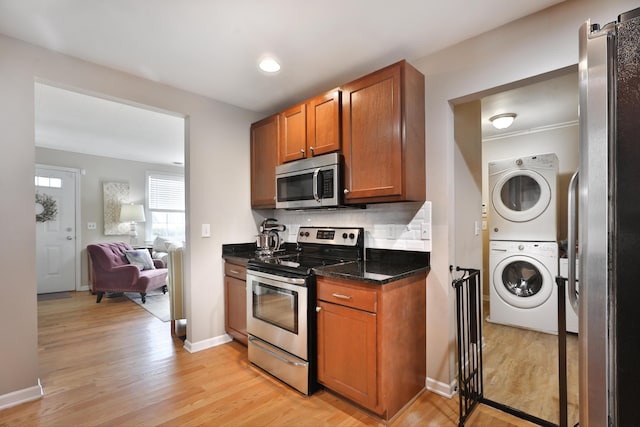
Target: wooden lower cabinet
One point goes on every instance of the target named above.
(372, 341)
(347, 352)
(235, 301)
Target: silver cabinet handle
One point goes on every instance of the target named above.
(234, 271)
(346, 191)
(69, 238)
(342, 296)
(311, 148)
(302, 152)
(318, 309)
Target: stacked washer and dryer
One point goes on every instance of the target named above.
(523, 230)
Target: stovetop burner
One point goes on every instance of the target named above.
(317, 246)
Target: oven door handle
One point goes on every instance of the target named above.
(254, 341)
(291, 280)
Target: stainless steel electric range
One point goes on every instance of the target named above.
(281, 302)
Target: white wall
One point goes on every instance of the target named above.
(217, 178)
(531, 46)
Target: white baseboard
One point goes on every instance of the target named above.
(443, 389)
(21, 396)
(193, 347)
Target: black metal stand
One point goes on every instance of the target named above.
(562, 349)
(469, 339)
(469, 333)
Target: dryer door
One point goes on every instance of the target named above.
(522, 281)
(521, 195)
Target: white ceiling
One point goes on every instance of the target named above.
(212, 47)
(540, 105)
(71, 121)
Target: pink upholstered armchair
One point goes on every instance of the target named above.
(113, 272)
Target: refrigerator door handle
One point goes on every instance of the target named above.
(572, 240)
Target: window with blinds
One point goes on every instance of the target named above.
(165, 203)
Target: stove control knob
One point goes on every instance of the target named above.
(352, 236)
(302, 234)
(344, 235)
(306, 234)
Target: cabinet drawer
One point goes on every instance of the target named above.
(235, 270)
(349, 296)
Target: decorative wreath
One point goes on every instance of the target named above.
(46, 208)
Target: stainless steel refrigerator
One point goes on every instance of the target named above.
(607, 194)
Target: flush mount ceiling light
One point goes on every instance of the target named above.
(502, 121)
(269, 64)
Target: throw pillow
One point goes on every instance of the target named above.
(160, 244)
(140, 257)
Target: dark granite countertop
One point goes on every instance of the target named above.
(381, 266)
(239, 253)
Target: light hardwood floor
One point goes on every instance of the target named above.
(521, 370)
(114, 364)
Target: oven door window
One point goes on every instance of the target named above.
(276, 306)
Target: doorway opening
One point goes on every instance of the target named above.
(106, 141)
(520, 362)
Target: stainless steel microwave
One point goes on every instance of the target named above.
(309, 183)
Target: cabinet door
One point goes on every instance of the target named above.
(323, 123)
(347, 353)
(264, 156)
(236, 308)
(371, 120)
(293, 137)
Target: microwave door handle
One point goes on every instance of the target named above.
(314, 183)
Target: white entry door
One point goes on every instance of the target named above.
(56, 237)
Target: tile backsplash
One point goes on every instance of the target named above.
(400, 226)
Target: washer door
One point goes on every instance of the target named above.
(522, 281)
(521, 195)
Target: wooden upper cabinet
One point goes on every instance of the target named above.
(383, 136)
(264, 157)
(323, 123)
(311, 128)
(293, 135)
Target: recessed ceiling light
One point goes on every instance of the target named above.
(269, 65)
(502, 121)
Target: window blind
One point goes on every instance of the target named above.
(166, 192)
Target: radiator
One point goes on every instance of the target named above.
(175, 284)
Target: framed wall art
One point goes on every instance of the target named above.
(115, 194)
